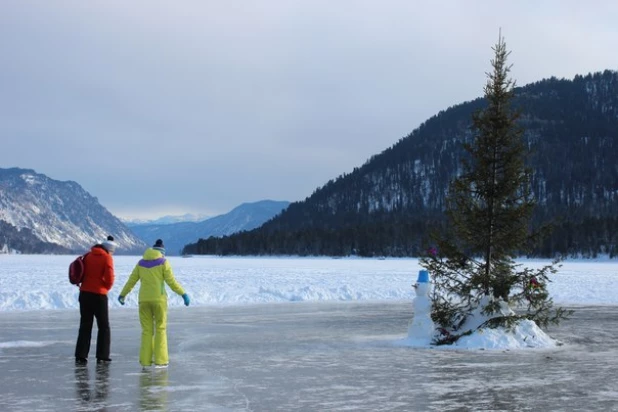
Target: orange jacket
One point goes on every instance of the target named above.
(99, 271)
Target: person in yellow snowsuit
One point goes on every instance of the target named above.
(153, 271)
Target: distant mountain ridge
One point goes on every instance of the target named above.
(247, 216)
(166, 220)
(42, 215)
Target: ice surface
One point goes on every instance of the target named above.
(303, 356)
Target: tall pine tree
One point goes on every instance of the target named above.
(489, 208)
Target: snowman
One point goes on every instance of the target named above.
(421, 328)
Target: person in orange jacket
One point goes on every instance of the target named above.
(98, 280)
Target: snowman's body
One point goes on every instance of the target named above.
(422, 327)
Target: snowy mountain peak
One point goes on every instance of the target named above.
(35, 208)
(166, 220)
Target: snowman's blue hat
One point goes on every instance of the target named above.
(423, 276)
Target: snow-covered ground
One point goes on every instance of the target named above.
(266, 334)
(36, 282)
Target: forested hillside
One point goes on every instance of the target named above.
(387, 206)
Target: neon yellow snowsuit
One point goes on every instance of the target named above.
(153, 271)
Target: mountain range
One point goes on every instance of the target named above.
(166, 220)
(388, 206)
(42, 215)
(247, 216)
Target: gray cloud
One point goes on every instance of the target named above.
(198, 106)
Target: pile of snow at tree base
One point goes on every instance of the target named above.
(268, 334)
(526, 334)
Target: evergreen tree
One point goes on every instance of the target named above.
(489, 208)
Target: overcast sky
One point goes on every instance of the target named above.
(173, 107)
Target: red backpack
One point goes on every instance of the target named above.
(76, 270)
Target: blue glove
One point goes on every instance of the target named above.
(185, 297)
(121, 299)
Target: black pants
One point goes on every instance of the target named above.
(92, 305)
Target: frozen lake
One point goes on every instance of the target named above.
(282, 334)
(306, 357)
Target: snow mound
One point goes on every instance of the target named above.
(526, 334)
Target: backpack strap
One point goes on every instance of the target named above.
(84, 262)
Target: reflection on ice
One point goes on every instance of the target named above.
(92, 397)
(153, 389)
